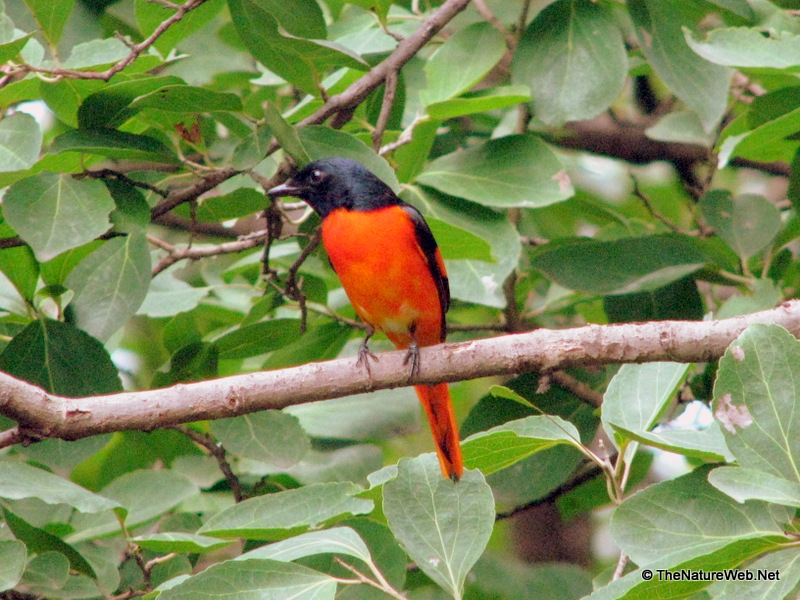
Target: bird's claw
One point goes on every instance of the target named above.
(412, 356)
(364, 356)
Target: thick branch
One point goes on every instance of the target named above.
(46, 415)
(629, 142)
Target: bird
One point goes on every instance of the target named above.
(391, 269)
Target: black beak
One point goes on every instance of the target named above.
(288, 188)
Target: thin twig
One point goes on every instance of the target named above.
(389, 91)
(292, 286)
(652, 209)
(622, 562)
(577, 388)
(195, 253)
(218, 452)
(383, 586)
(136, 50)
(105, 173)
(12, 436)
(194, 191)
(587, 472)
(491, 18)
(405, 137)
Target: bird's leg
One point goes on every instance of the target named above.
(412, 355)
(364, 353)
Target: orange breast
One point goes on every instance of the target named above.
(385, 273)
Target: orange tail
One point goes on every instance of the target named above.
(436, 400)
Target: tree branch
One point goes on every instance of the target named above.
(136, 49)
(42, 415)
(405, 51)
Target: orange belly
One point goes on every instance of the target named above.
(385, 273)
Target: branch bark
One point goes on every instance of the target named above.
(42, 415)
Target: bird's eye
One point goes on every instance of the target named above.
(316, 176)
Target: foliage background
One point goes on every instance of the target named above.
(578, 161)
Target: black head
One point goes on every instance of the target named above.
(333, 183)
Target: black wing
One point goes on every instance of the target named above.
(429, 247)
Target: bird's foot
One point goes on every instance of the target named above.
(412, 357)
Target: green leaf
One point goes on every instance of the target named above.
(517, 170)
(763, 139)
(66, 96)
(638, 396)
(13, 557)
(444, 526)
(20, 142)
(505, 577)
(707, 520)
(168, 296)
(506, 444)
(744, 47)
(283, 514)
(747, 223)
(188, 99)
(456, 243)
(110, 285)
(782, 574)
(324, 142)
(61, 359)
(253, 148)
(286, 135)
(479, 101)
(150, 15)
(113, 144)
(19, 480)
(132, 213)
(63, 456)
(145, 496)
(22, 269)
(195, 361)
(322, 342)
(681, 126)
(573, 58)
(763, 295)
(178, 541)
(12, 40)
(743, 484)
(96, 53)
(239, 203)
(51, 15)
(269, 436)
(706, 444)
(475, 49)
(54, 213)
(277, 35)
(361, 417)
(336, 540)
(40, 541)
(620, 266)
(727, 555)
(110, 106)
(259, 338)
(702, 85)
(754, 400)
(257, 578)
(677, 301)
(46, 572)
(540, 474)
(55, 271)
